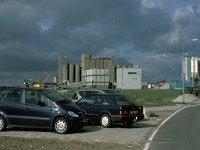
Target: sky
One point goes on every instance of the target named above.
(148, 33)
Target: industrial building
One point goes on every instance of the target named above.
(190, 72)
(191, 68)
(92, 72)
(98, 71)
(195, 67)
(129, 78)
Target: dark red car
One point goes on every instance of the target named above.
(108, 108)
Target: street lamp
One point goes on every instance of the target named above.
(183, 67)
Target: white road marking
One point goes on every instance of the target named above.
(146, 147)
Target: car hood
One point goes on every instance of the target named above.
(69, 106)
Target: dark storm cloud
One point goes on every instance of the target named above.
(35, 32)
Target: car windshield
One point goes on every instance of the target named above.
(83, 93)
(120, 100)
(54, 96)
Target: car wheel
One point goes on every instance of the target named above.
(128, 124)
(61, 125)
(2, 124)
(105, 121)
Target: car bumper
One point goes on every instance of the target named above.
(78, 123)
(120, 118)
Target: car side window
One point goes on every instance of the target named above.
(46, 101)
(100, 100)
(14, 95)
(82, 93)
(87, 100)
(32, 97)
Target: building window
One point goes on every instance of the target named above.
(132, 72)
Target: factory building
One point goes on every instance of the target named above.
(98, 71)
(68, 72)
(92, 72)
(191, 69)
(195, 67)
(96, 77)
(62, 69)
(191, 72)
(129, 78)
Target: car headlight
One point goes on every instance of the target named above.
(71, 113)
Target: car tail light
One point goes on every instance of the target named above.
(124, 112)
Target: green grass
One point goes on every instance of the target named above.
(152, 97)
(68, 94)
(146, 97)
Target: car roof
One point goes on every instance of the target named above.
(100, 90)
(105, 94)
(89, 90)
(110, 91)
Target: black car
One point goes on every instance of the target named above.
(108, 108)
(27, 107)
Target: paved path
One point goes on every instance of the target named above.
(189, 101)
(180, 132)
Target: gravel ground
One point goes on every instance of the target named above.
(90, 137)
(20, 143)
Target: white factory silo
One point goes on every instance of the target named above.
(194, 67)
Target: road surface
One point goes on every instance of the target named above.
(180, 132)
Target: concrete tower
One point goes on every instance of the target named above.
(62, 69)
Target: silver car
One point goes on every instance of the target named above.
(81, 93)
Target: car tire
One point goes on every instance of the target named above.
(2, 123)
(61, 125)
(105, 121)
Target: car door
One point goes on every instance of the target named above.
(100, 106)
(13, 107)
(38, 113)
(86, 103)
(93, 104)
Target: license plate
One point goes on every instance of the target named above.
(133, 112)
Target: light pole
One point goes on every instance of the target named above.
(184, 67)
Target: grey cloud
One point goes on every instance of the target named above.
(130, 28)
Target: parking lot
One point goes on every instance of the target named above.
(116, 137)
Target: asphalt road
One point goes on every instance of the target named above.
(180, 132)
